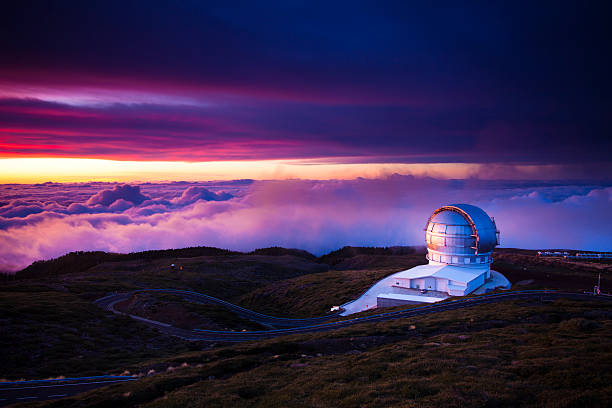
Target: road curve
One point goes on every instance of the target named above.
(12, 392)
(108, 303)
(293, 326)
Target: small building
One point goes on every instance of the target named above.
(460, 239)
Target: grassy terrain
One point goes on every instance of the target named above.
(312, 295)
(507, 354)
(522, 265)
(374, 257)
(227, 276)
(82, 260)
(354, 271)
(50, 326)
(47, 333)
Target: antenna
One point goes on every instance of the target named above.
(597, 289)
(599, 284)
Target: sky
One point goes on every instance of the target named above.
(339, 82)
(135, 93)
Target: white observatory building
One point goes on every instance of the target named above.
(460, 239)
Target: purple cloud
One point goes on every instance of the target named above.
(16, 210)
(77, 208)
(195, 193)
(120, 205)
(124, 192)
(318, 216)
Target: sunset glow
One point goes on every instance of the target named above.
(36, 170)
(72, 170)
(128, 126)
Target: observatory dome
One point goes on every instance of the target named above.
(461, 234)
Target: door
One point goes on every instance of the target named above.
(430, 283)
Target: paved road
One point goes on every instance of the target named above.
(292, 326)
(109, 302)
(40, 390)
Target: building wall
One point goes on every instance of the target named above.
(475, 283)
(417, 283)
(454, 288)
(402, 282)
(385, 302)
(423, 283)
(430, 283)
(459, 259)
(442, 284)
(460, 292)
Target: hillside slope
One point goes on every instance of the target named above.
(51, 327)
(507, 354)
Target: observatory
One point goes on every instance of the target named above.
(460, 240)
(460, 234)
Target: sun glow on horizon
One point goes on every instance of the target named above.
(36, 170)
(74, 170)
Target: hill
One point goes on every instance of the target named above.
(498, 355)
(507, 354)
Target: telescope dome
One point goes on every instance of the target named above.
(461, 234)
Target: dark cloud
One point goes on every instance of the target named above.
(123, 192)
(17, 210)
(497, 82)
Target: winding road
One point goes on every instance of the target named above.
(286, 326)
(12, 392)
(108, 303)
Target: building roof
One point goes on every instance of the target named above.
(443, 271)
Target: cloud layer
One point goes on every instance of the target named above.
(45, 221)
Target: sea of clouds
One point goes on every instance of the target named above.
(47, 220)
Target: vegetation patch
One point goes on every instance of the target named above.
(506, 354)
(49, 333)
(453, 358)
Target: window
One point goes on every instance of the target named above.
(466, 260)
(437, 240)
(439, 228)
